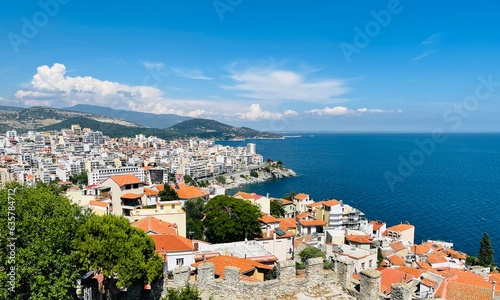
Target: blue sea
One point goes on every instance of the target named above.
(449, 190)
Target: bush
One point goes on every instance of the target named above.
(327, 265)
(254, 173)
(186, 293)
(221, 179)
(300, 266)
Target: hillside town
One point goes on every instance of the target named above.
(126, 176)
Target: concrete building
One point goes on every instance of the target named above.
(402, 232)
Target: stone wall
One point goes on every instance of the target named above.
(369, 288)
(401, 291)
(317, 284)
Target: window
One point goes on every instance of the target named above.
(370, 264)
(179, 261)
(362, 266)
(173, 206)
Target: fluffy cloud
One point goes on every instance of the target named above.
(256, 113)
(270, 84)
(51, 86)
(342, 110)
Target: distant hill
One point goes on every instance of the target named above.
(46, 118)
(11, 108)
(141, 118)
(211, 128)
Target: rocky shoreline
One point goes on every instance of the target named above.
(266, 173)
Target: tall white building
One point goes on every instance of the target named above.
(99, 175)
(251, 148)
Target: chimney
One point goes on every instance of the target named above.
(494, 283)
(267, 231)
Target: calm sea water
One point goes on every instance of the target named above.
(453, 195)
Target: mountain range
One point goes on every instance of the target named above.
(121, 123)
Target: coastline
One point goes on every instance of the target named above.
(265, 173)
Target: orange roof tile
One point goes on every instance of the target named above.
(165, 243)
(287, 223)
(429, 283)
(391, 276)
(155, 226)
(359, 239)
(160, 187)
(331, 203)
(396, 260)
(245, 265)
(423, 265)
(122, 180)
(315, 204)
(435, 259)
(419, 249)
(301, 196)
(150, 192)
(268, 219)
(309, 223)
(414, 272)
(98, 203)
(397, 246)
(188, 192)
(303, 215)
(130, 196)
(377, 225)
(464, 286)
(286, 202)
(248, 196)
(455, 254)
(435, 247)
(400, 227)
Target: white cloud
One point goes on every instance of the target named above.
(51, 86)
(153, 65)
(271, 84)
(425, 54)
(435, 38)
(342, 110)
(256, 113)
(189, 74)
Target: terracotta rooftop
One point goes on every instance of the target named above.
(122, 180)
(461, 285)
(396, 260)
(359, 239)
(391, 276)
(419, 249)
(247, 196)
(377, 225)
(150, 192)
(245, 265)
(301, 196)
(130, 196)
(268, 219)
(330, 203)
(400, 227)
(288, 223)
(435, 259)
(171, 243)
(303, 215)
(155, 226)
(310, 223)
(398, 246)
(188, 192)
(98, 203)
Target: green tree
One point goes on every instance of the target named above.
(277, 209)
(254, 173)
(79, 179)
(485, 257)
(194, 214)
(189, 180)
(109, 245)
(380, 257)
(221, 179)
(311, 252)
(168, 194)
(40, 222)
(228, 219)
(186, 293)
(290, 196)
(471, 260)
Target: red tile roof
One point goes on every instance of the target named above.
(171, 243)
(396, 260)
(301, 196)
(155, 226)
(98, 203)
(461, 285)
(414, 272)
(288, 223)
(435, 259)
(122, 180)
(419, 249)
(130, 196)
(398, 246)
(150, 192)
(188, 192)
(391, 276)
(359, 239)
(304, 214)
(377, 225)
(311, 223)
(245, 265)
(331, 203)
(400, 227)
(247, 196)
(268, 219)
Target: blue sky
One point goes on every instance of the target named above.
(270, 65)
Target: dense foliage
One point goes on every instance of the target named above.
(40, 224)
(194, 215)
(485, 257)
(186, 293)
(311, 252)
(168, 194)
(79, 179)
(277, 209)
(229, 219)
(111, 246)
